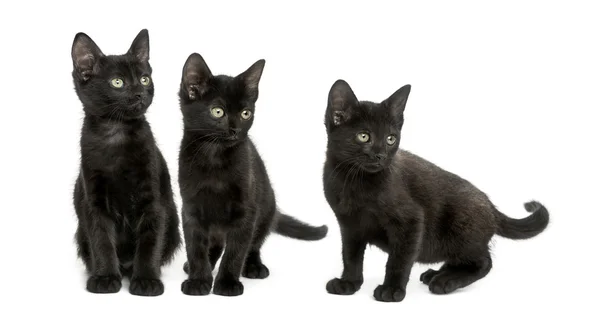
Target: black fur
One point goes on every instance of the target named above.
(127, 219)
(405, 205)
(228, 201)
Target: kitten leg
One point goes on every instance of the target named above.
(453, 276)
(214, 253)
(150, 232)
(238, 243)
(253, 266)
(145, 279)
(101, 236)
(197, 241)
(353, 251)
(404, 241)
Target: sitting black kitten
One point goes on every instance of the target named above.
(405, 205)
(128, 223)
(226, 192)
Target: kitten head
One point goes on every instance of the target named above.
(221, 106)
(363, 133)
(113, 86)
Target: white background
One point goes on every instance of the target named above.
(504, 94)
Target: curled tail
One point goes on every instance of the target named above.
(291, 227)
(524, 228)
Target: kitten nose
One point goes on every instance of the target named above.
(138, 96)
(381, 157)
(234, 131)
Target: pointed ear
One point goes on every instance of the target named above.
(251, 78)
(340, 103)
(85, 54)
(196, 76)
(140, 48)
(397, 101)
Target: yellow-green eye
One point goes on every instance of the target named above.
(391, 139)
(145, 80)
(246, 114)
(363, 137)
(117, 82)
(217, 112)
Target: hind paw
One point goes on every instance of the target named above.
(428, 275)
(443, 284)
(255, 270)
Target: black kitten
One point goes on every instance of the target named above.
(128, 222)
(226, 192)
(405, 205)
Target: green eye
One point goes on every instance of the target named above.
(145, 80)
(391, 139)
(117, 82)
(217, 112)
(246, 114)
(363, 137)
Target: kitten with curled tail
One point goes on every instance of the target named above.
(228, 202)
(127, 219)
(407, 206)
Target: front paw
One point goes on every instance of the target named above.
(196, 287)
(255, 270)
(342, 287)
(104, 284)
(146, 287)
(385, 293)
(228, 287)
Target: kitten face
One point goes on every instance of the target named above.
(218, 107)
(113, 86)
(364, 134)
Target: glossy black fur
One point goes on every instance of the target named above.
(127, 219)
(405, 205)
(228, 201)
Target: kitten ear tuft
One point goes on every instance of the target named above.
(340, 103)
(85, 54)
(140, 48)
(397, 101)
(195, 77)
(251, 79)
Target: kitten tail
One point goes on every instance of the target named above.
(527, 227)
(290, 227)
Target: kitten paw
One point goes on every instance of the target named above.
(196, 287)
(255, 270)
(442, 284)
(146, 287)
(342, 287)
(428, 275)
(104, 284)
(385, 293)
(228, 287)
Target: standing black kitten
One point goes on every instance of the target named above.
(405, 205)
(128, 222)
(227, 196)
